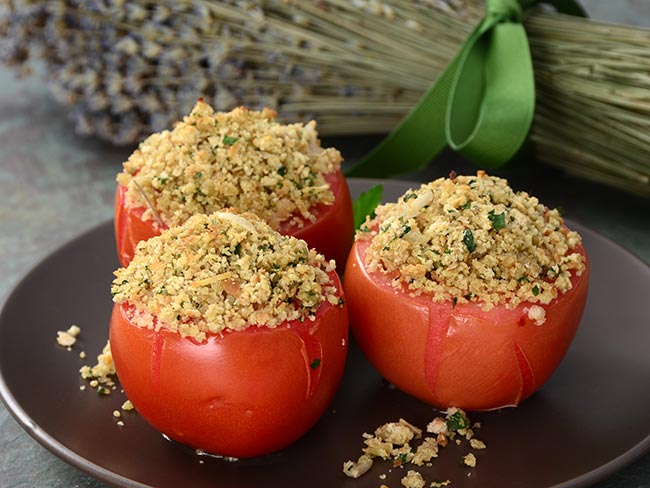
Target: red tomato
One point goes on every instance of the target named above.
(458, 355)
(331, 234)
(241, 394)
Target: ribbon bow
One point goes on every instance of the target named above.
(482, 105)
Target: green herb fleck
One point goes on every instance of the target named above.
(523, 279)
(498, 220)
(198, 174)
(535, 290)
(366, 204)
(468, 240)
(101, 391)
(405, 230)
(282, 170)
(229, 141)
(457, 422)
(409, 196)
(315, 364)
(466, 206)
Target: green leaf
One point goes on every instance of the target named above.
(468, 240)
(366, 204)
(457, 421)
(535, 290)
(229, 141)
(498, 220)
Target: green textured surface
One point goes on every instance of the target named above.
(55, 185)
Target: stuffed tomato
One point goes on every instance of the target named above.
(241, 159)
(465, 293)
(227, 336)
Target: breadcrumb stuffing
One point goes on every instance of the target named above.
(472, 238)
(242, 159)
(223, 271)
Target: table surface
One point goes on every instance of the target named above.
(55, 184)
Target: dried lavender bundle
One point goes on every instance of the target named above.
(357, 66)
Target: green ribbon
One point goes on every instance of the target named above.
(482, 105)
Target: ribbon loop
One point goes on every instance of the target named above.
(505, 9)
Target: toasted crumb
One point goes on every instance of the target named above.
(469, 460)
(116, 414)
(127, 406)
(425, 451)
(361, 467)
(477, 444)
(82, 354)
(120, 423)
(382, 476)
(537, 314)
(82, 387)
(68, 338)
(413, 479)
(440, 484)
(102, 373)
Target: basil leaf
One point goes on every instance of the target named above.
(498, 220)
(366, 204)
(229, 141)
(468, 240)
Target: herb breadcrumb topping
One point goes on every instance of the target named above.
(223, 271)
(472, 238)
(241, 159)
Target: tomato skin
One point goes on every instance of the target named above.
(331, 234)
(130, 228)
(242, 394)
(458, 355)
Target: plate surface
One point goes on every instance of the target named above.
(588, 421)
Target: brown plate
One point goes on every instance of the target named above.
(587, 422)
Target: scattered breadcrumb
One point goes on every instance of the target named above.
(413, 479)
(82, 354)
(120, 423)
(473, 239)
(102, 374)
(224, 271)
(242, 159)
(127, 406)
(537, 314)
(469, 460)
(361, 467)
(393, 441)
(440, 484)
(68, 338)
(477, 444)
(117, 414)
